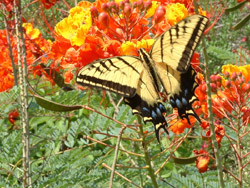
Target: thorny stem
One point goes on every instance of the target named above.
(147, 158)
(22, 72)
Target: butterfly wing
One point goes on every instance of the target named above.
(172, 53)
(176, 46)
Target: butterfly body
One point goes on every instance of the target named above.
(140, 79)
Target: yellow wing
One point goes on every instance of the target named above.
(176, 46)
(118, 74)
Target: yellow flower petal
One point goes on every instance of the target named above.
(175, 12)
(30, 31)
(76, 26)
(151, 11)
(230, 68)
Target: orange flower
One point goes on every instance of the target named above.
(246, 115)
(178, 126)
(219, 133)
(33, 33)
(202, 163)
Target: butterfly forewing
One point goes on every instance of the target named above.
(176, 46)
(118, 74)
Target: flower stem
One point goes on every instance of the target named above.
(239, 156)
(147, 158)
(211, 122)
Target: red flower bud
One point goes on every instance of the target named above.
(162, 8)
(213, 87)
(226, 74)
(212, 78)
(127, 10)
(121, 5)
(218, 84)
(148, 4)
(246, 88)
(228, 83)
(94, 11)
(140, 4)
(134, 4)
(159, 16)
(218, 78)
(105, 7)
(233, 76)
(103, 19)
(13, 116)
(112, 4)
(239, 73)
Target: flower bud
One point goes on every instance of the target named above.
(162, 8)
(233, 76)
(127, 10)
(148, 4)
(212, 78)
(134, 4)
(218, 84)
(239, 73)
(103, 19)
(159, 16)
(226, 74)
(140, 4)
(121, 5)
(105, 7)
(213, 87)
(246, 88)
(228, 83)
(112, 4)
(94, 11)
(218, 78)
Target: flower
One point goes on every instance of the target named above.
(76, 26)
(178, 126)
(202, 161)
(219, 132)
(13, 116)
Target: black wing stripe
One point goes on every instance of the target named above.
(107, 85)
(127, 63)
(191, 45)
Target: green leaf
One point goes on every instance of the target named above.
(242, 23)
(50, 105)
(185, 160)
(239, 5)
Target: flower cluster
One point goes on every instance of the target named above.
(104, 29)
(37, 46)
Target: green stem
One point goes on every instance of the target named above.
(211, 122)
(147, 158)
(239, 150)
